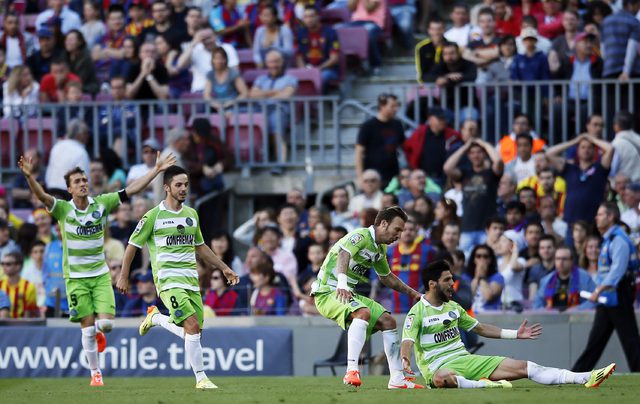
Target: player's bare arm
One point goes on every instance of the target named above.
(210, 258)
(406, 349)
(393, 282)
(342, 290)
(26, 166)
(523, 332)
(143, 182)
(127, 259)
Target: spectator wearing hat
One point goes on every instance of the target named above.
(532, 65)
(40, 62)
(627, 146)
(59, 13)
(150, 148)
(53, 85)
(147, 297)
(543, 44)
(18, 45)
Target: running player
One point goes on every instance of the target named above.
(82, 223)
(172, 232)
(432, 325)
(345, 265)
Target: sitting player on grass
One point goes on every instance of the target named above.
(442, 358)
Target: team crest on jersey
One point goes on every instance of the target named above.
(139, 226)
(180, 229)
(355, 239)
(95, 214)
(408, 322)
(189, 221)
(178, 313)
(453, 314)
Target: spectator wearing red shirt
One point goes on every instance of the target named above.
(110, 46)
(550, 24)
(221, 299)
(318, 46)
(52, 85)
(226, 20)
(506, 22)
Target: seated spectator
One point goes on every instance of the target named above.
(532, 65)
(276, 86)
(379, 139)
(371, 196)
(93, 28)
(32, 270)
(588, 259)
(148, 79)
(150, 148)
(137, 307)
(507, 22)
(113, 168)
(522, 167)
(115, 267)
(515, 219)
(494, 229)
(224, 85)
(561, 289)
(462, 32)
(546, 252)
(419, 185)
(198, 55)
(563, 46)
(21, 292)
(632, 216)
(500, 69)
(179, 78)
(5, 305)
(579, 233)
(58, 11)
(79, 60)
(42, 220)
(403, 13)
(52, 85)
(532, 233)
(550, 221)
(266, 298)
(109, 47)
(194, 22)
(271, 34)
(340, 214)
(370, 15)
(551, 23)
(18, 45)
(228, 23)
(486, 282)
(122, 226)
(507, 146)
(483, 51)
(528, 198)
(97, 177)
(450, 239)
(221, 299)
(315, 254)
(119, 117)
(298, 198)
(543, 44)
(512, 269)
(20, 191)
(429, 51)
(138, 19)
(626, 144)
(288, 220)
(40, 62)
(210, 158)
(20, 94)
(162, 24)
(121, 67)
(222, 246)
(284, 262)
(335, 234)
(506, 193)
(73, 108)
(317, 46)
(455, 194)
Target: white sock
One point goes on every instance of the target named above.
(90, 347)
(104, 325)
(544, 375)
(163, 321)
(193, 350)
(392, 350)
(469, 384)
(356, 336)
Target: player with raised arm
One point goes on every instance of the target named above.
(171, 230)
(432, 325)
(334, 296)
(83, 221)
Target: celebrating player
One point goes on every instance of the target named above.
(342, 269)
(82, 223)
(433, 322)
(172, 232)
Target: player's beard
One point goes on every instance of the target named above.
(442, 294)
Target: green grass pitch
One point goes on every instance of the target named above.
(306, 390)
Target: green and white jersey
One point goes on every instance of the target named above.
(83, 235)
(435, 333)
(365, 254)
(172, 238)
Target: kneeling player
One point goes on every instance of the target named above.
(433, 322)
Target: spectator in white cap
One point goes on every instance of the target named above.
(150, 148)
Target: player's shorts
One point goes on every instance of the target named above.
(471, 367)
(88, 296)
(182, 304)
(330, 307)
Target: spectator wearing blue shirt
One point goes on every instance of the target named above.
(531, 65)
(615, 280)
(5, 305)
(147, 298)
(53, 278)
(486, 282)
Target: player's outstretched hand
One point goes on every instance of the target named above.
(344, 295)
(532, 332)
(123, 285)
(232, 277)
(406, 367)
(168, 161)
(26, 165)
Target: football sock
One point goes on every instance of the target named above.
(163, 321)
(356, 337)
(90, 347)
(469, 384)
(392, 350)
(193, 350)
(545, 375)
(104, 325)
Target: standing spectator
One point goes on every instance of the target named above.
(632, 216)
(546, 252)
(224, 85)
(21, 292)
(522, 167)
(272, 34)
(18, 45)
(77, 56)
(486, 282)
(317, 46)
(67, 154)
(506, 194)
(480, 185)
(52, 85)
(40, 61)
(494, 229)
(59, 12)
(521, 126)
(615, 280)
(162, 24)
(221, 299)
(93, 28)
(627, 146)
(149, 79)
(532, 65)
(543, 44)
(506, 22)
(340, 214)
(484, 50)
(551, 223)
(429, 51)
(561, 289)
(138, 19)
(7, 245)
(53, 278)
(370, 14)
(545, 182)
(563, 46)
(379, 139)
(551, 22)
(450, 239)
(194, 22)
(147, 297)
(586, 180)
(512, 268)
(419, 186)
(462, 32)
(371, 196)
(226, 20)
(21, 94)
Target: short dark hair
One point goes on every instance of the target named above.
(534, 224)
(460, 4)
(17, 255)
(516, 205)
(449, 44)
(389, 214)
(612, 208)
(339, 229)
(385, 97)
(626, 3)
(269, 228)
(623, 119)
(172, 172)
(115, 8)
(67, 176)
(526, 189)
(495, 219)
(547, 170)
(394, 197)
(288, 206)
(565, 247)
(531, 20)
(220, 51)
(487, 11)
(548, 237)
(526, 136)
(433, 270)
(60, 60)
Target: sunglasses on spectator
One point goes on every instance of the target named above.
(8, 264)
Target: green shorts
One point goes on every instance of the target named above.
(471, 367)
(330, 307)
(88, 296)
(182, 304)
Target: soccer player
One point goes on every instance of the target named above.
(83, 221)
(171, 230)
(433, 323)
(345, 265)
